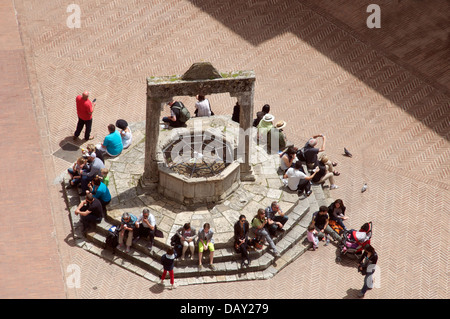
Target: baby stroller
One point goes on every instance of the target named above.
(353, 241)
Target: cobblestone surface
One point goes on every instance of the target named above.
(385, 97)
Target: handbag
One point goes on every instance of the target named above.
(158, 233)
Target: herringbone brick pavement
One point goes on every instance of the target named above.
(384, 99)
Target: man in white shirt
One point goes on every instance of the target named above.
(145, 227)
(297, 180)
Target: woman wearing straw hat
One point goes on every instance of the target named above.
(276, 139)
(264, 126)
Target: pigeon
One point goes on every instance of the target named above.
(364, 188)
(347, 153)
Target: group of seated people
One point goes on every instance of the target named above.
(328, 223)
(188, 237)
(319, 166)
(262, 228)
(179, 114)
(91, 176)
(132, 228)
(269, 133)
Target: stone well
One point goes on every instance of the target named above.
(197, 166)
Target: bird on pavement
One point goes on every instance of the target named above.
(364, 188)
(347, 153)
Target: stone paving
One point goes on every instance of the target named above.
(128, 196)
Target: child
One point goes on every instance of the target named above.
(105, 176)
(312, 236)
(168, 261)
(75, 171)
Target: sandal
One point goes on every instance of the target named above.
(336, 173)
(334, 164)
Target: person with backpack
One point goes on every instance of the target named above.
(179, 114)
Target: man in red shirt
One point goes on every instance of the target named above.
(85, 108)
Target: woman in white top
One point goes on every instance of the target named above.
(125, 133)
(202, 106)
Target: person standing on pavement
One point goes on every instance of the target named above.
(85, 108)
(367, 266)
(168, 262)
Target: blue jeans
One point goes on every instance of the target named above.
(75, 181)
(263, 233)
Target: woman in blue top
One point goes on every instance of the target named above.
(101, 192)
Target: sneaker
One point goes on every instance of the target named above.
(213, 267)
(119, 246)
(333, 186)
(128, 249)
(200, 267)
(276, 253)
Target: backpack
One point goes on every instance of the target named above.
(301, 155)
(175, 242)
(185, 115)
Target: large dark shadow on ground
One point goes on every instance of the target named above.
(257, 21)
